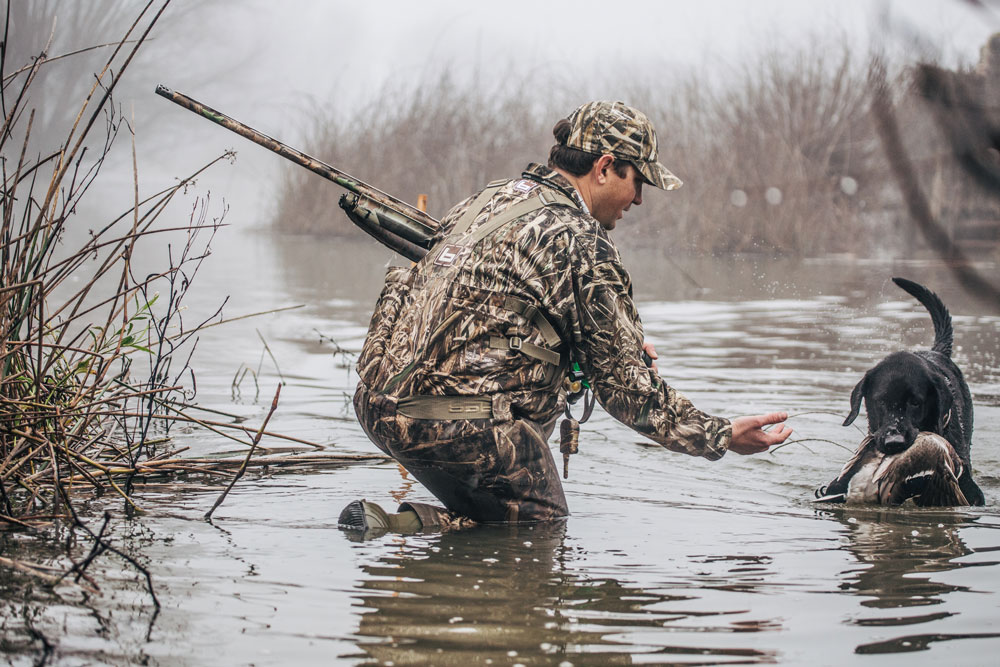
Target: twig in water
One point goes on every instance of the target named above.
(801, 440)
(819, 412)
(31, 569)
(270, 354)
(241, 373)
(838, 415)
(243, 317)
(243, 468)
(346, 355)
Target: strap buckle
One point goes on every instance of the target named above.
(514, 342)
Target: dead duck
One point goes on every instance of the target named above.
(926, 472)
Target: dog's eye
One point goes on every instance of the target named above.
(914, 403)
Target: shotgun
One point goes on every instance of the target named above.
(394, 223)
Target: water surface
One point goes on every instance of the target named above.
(665, 559)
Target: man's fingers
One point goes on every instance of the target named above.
(758, 421)
(772, 418)
(650, 356)
(778, 434)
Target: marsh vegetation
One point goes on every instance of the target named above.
(780, 155)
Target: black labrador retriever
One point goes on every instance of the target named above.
(908, 393)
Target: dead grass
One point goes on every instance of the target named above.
(783, 159)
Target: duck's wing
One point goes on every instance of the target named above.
(927, 471)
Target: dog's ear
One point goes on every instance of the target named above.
(856, 396)
(945, 401)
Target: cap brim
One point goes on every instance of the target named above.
(659, 176)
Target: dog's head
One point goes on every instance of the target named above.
(903, 396)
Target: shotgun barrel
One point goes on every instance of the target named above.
(384, 215)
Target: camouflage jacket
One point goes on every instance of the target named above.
(436, 326)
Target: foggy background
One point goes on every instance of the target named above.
(276, 66)
(748, 96)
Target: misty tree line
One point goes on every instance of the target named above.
(73, 39)
(779, 157)
(783, 159)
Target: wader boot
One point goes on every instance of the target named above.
(372, 519)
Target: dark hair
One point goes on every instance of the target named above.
(574, 160)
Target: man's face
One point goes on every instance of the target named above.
(617, 195)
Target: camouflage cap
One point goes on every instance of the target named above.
(624, 132)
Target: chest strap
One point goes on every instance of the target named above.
(527, 349)
(521, 208)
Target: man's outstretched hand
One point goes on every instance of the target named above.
(749, 436)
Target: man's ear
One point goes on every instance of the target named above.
(601, 167)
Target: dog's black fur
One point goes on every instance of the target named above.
(909, 392)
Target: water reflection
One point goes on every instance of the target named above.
(667, 559)
(899, 551)
(911, 643)
(510, 594)
(42, 623)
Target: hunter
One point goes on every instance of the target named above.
(472, 350)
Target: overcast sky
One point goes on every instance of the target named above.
(335, 52)
(362, 44)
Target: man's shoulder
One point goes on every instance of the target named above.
(557, 198)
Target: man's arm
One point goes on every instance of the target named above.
(610, 345)
(749, 436)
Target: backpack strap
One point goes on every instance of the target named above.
(516, 211)
(532, 314)
(527, 349)
(475, 208)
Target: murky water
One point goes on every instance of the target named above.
(666, 559)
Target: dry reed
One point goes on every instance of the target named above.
(94, 350)
(780, 156)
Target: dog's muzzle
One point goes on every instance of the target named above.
(894, 439)
(892, 443)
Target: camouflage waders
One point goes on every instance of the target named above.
(479, 468)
